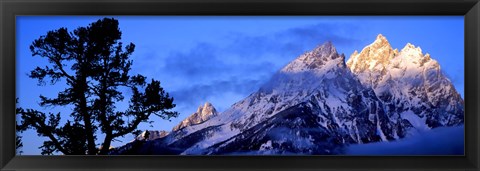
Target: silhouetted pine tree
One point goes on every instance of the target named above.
(18, 138)
(94, 65)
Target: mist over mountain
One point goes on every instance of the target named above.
(321, 104)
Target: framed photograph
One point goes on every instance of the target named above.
(239, 85)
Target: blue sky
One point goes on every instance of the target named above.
(222, 59)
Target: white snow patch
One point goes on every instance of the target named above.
(415, 120)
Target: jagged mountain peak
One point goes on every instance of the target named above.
(206, 109)
(373, 57)
(325, 49)
(412, 50)
(204, 112)
(411, 78)
(379, 43)
(411, 57)
(410, 46)
(323, 62)
(323, 55)
(381, 40)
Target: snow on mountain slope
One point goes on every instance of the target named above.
(294, 131)
(408, 81)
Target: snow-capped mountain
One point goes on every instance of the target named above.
(410, 84)
(317, 104)
(319, 84)
(203, 113)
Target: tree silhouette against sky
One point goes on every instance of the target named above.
(94, 65)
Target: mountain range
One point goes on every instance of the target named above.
(319, 104)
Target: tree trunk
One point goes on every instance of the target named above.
(106, 144)
(103, 111)
(92, 150)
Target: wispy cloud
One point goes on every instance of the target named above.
(206, 62)
(292, 41)
(239, 64)
(197, 94)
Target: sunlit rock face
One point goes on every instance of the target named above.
(410, 84)
(374, 57)
(203, 113)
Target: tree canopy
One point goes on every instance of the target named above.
(94, 64)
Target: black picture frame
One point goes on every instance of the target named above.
(470, 9)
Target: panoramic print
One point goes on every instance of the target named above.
(240, 85)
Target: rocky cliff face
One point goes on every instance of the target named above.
(203, 113)
(410, 84)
